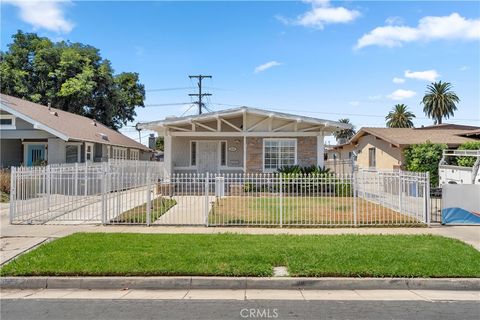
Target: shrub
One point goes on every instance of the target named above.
(425, 157)
(468, 161)
(4, 185)
(296, 169)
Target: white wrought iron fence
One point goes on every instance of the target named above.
(117, 193)
(73, 192)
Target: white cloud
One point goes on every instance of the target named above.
(401, 94)
(47, 15)
(266, 66)
(463, 68)
(393, 21)
(375, 97)
(428, 75)
(429, 28)
(398, 80)
(354, 103)
(320, 14)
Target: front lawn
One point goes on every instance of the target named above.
(265, 210)
(97, 254)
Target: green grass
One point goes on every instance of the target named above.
(98, 254)
(302, 210)
(159, 206)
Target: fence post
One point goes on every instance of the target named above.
(149, 199)
(86, 178)
(354, 189)
(13, 193)
(427, 198)
(104, 195)
(400, 191)
(47, 186)
(76, 178)
(207, 182)
(280, 180)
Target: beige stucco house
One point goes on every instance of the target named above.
(382, 148)
(241, 140)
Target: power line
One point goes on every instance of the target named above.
(335, 113)
(167, 104)
(200, 95)
(168, 89)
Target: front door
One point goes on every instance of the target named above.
(35, 154)
(207, 156)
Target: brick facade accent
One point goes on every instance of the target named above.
(306, 152)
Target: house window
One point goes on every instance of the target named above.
(278, 153)
(119, 153)
(88, 152)
(193, 153)
(72, 153)
(223, 153)
(108, 152)
(7, 121)
(134, 154)
(372, 161)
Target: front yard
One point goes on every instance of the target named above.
(102, 254)
(303, 211)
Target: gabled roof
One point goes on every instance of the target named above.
(65, 125)
(329, 125)
(402, 137)
(470, 133)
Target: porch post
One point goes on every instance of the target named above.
(167, 155)
(320, 150)
(244, 154)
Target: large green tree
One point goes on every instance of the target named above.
(440, 101)
(400, 117)
(72, 77)
(344, 134)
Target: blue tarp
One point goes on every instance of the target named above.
(459, 216)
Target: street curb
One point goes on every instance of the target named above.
(283, 283)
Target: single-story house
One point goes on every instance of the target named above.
(382, 148)
(241, 140)
(31, 134)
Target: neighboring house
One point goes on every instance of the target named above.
(382, 148)
(241, 140)
(31, 134)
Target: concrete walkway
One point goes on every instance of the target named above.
(189, 210)
(16, 239)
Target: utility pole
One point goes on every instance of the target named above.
(200, 95)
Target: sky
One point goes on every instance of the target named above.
(325, 59)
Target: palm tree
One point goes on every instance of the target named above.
(344, 134)
(400, 117)
(440, 101)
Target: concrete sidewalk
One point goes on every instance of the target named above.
(306, 295)
(16, 239)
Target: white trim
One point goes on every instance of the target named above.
(79, 150)
(320, 150)
(248, 134)
(36, 124)
(285, 125)
(8, 126)
(204, 126)
(119, 153)
(257, 124)
(244, 154)
(136, 152)
(275, 139)
(92, 152)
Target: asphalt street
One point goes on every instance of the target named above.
(51, 309)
